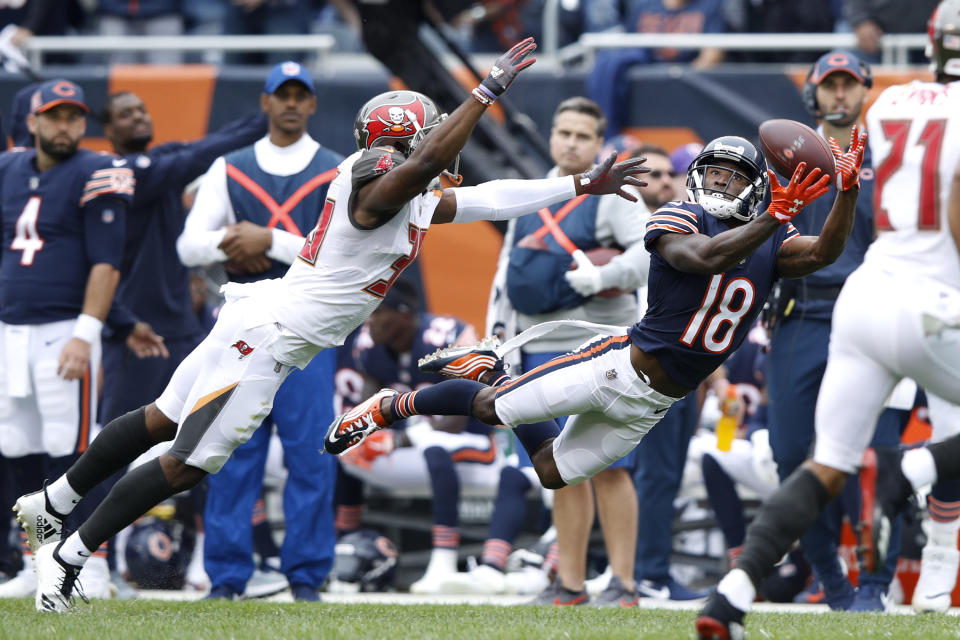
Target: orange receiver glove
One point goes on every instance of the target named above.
(787, 200)
(848, 164)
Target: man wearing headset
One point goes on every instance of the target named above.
(834, 93)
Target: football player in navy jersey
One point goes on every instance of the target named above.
(437, 454)
(63, 212)
(712, 262)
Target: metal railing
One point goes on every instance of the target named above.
(37, 47)
(894, 47)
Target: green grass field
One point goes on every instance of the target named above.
(105, 620)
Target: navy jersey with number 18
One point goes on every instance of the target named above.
(695, 321)
(57, 224)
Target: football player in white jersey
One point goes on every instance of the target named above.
(897, 316)
(372, 226)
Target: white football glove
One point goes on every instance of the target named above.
(585, 279)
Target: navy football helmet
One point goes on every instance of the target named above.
(363, 561)
(751, 165)
(158, 553)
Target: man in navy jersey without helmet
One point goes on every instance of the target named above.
(64, 213)
(712, 263)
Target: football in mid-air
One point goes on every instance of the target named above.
(787, 143)
(601, 256)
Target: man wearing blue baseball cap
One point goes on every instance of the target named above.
(834, 93)
(250, 213)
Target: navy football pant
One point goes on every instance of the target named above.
(302, 410)
(661, 458)
(798, 359)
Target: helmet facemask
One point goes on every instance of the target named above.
(726, 203)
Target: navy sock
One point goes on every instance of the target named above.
(783, 518)
(510, 508)
(119, 444)
(447, 398)
(725, 502)
(946, 490)
(130, 498)
(532, 436)
(445, 484)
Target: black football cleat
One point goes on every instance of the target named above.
(719, 620)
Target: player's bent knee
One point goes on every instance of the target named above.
(546, 467)
(831, 478)
(483, 406)
(160, 427)
(179, 474)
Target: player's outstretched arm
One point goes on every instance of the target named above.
(806, 254)
(382, 198)
(699, 253)
(506, 199)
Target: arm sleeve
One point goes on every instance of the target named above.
(627, 221)
(285, 246)
(176, 165)
(203, 229)
(104, 220)
(120, 320)
(506, 199)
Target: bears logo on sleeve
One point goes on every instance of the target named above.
(116, 180)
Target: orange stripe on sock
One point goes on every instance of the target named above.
(205, 400)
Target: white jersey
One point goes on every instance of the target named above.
(343, 272)
(915, 142)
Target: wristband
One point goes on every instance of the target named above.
(484, 95)
(87, 328)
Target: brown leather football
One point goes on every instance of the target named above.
(787, 143)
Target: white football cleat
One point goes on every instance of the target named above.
(527, 581)
(481, 580)
(38, 519)
(938, 577)
(56, 580)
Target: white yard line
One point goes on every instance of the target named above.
(506, 601)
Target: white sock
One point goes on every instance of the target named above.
(944, 534)
(73, 551)
(442, 561)
(919, 468)
(61, 495)
(738, 589)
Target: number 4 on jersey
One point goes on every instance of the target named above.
(27, 239)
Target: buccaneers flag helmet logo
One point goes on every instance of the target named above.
(395, 120)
